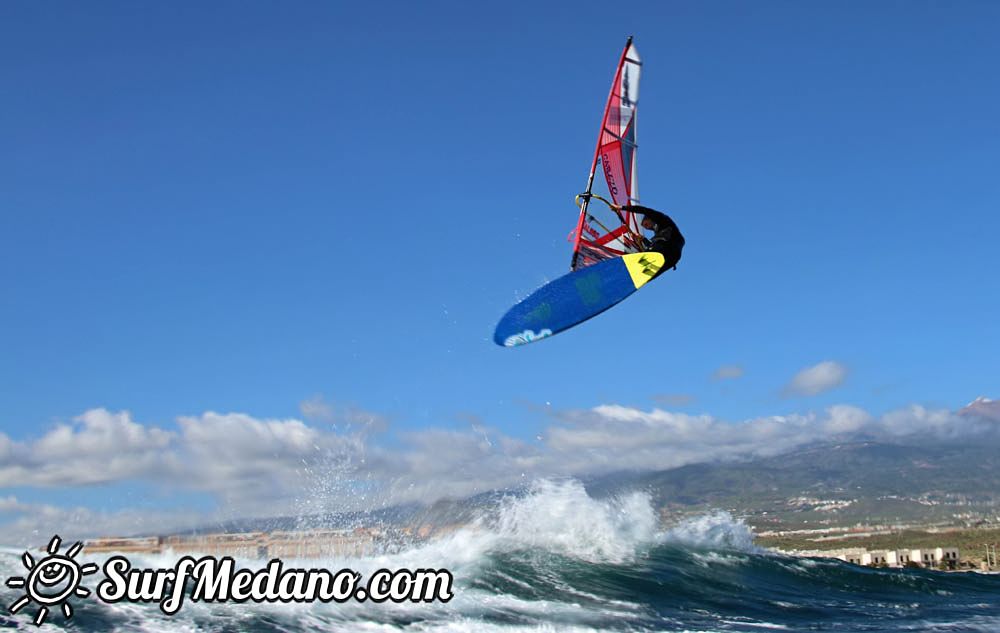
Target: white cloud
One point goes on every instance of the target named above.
(728, 372)
(613, 437)
(318, 409)
(9, 504)
(100, 447)
(26, 524)
(6, 447)
(248, 463)
(270, 467)
(815, 380)
(938, 423)
(846, 419)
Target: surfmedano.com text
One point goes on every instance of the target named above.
(211, 579)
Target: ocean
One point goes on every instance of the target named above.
(556, 559)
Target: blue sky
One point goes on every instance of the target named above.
(237, 207)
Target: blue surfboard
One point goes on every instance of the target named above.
(575, 297)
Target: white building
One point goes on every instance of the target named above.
(897, 558)
(853, 556)
(925, 557)
(931, 558)
(947, 554)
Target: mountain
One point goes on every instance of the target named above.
(921, 479)
(835, 483)
(982, 407)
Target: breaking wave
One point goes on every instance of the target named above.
(557, 559)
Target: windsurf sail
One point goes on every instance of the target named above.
(601, 232)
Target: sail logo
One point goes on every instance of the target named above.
(612, 185)
(626, 102)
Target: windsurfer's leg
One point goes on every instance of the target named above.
(670, 256)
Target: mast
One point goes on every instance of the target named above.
(597, 153)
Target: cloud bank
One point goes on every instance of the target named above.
(256, 467)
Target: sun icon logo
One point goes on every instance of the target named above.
(52, 580)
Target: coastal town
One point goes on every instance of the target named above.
(942, 558)
(370, 541)
(941, 546)
(293, 544)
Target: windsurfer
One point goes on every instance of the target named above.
(667, 239)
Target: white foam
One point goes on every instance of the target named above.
(559, 516)
(556, 516)
(717, 530)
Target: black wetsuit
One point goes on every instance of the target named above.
(667, 239)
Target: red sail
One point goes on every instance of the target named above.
(602, 233)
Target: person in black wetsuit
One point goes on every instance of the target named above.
(667, 239)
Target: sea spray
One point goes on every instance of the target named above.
(716, 530)
(559, 516)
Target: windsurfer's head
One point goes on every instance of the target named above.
(648, 224)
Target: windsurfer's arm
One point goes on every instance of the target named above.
(660, 219)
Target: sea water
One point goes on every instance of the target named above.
(556, 559)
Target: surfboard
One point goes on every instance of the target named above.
(576, 297)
